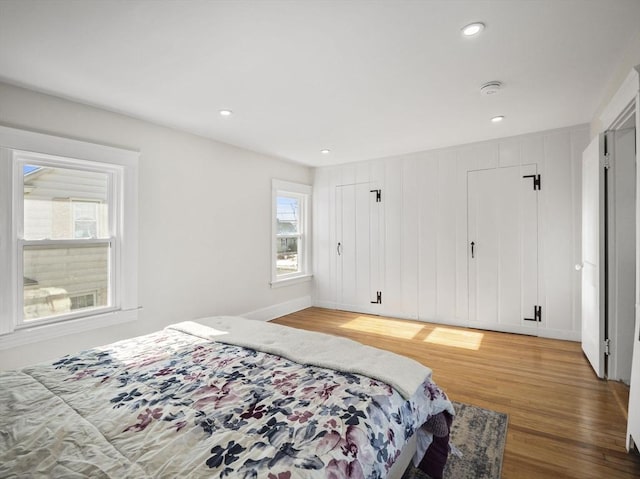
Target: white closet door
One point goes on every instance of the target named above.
(528, 203)
(503, 248)
(483, 244)
(356, 248)
(593, 327)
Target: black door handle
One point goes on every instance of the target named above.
(472, 246)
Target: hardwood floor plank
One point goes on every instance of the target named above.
(564, 422)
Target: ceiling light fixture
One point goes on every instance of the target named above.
(472, 29)
(225, 112)
(325, 151)
(497, 119)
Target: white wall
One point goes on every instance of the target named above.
(205, 220)
(629, 58)
(424, 199)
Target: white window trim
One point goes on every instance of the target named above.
(280, 187)
(126, 308)
(115, 175)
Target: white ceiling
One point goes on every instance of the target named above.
(366, 79)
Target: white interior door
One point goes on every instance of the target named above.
(593, 318)
(503, 248)
(356, 248)
(621, 254)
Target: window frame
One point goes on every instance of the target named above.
(301, 192)
(112, 240)
(20, 146)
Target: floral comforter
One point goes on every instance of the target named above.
(171, 404)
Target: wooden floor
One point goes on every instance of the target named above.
(563, 421)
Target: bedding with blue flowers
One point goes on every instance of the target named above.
(172, 404)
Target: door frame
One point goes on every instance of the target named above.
(623, 106)
(625, 102)
(620, 234)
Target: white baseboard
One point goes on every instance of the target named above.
(501, 328)
(374, 311)
(280, 309)
(325, 304)
(540, 332)
(560, 334)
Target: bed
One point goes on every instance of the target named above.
(224, 397)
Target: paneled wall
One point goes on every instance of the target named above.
(424, 227)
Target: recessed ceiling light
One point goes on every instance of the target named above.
(325, 151)
(225, 112)
(497, 119)
(472, 29)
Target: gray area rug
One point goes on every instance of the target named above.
(479, 434)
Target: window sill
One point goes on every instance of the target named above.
(43, 332)
(279, 283)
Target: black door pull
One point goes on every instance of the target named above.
(472, 252)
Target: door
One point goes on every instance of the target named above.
(357, 248)
(502, 215)
(593, 255)
(621, 251)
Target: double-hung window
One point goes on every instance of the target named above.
(68, 236)
(64, 246)
(291, 242)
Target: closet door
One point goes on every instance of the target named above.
(356, 248)
(503, 248)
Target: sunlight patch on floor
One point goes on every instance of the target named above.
(383, 326)
(456, 338)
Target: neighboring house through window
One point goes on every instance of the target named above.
(82, 301)
(291, 240)
(62, 247)
(70, 233)
(85, 218)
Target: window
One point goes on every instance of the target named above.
(68, 232)
(62, 257)
(291, 241)
(82, 301)
(85, 218)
